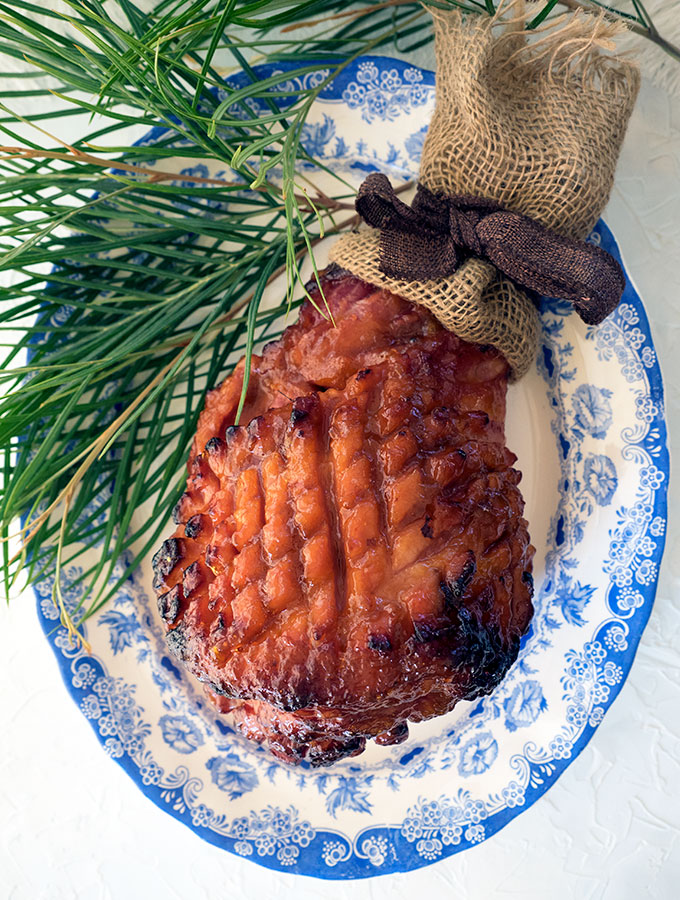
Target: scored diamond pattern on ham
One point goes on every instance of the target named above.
(354, 555)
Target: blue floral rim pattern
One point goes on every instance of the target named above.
(593, 463)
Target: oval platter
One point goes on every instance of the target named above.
(589, 431)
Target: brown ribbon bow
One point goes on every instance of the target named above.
(430, 238)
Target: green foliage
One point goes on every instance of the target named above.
(159, 276)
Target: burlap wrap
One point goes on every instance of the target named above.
(535, 124)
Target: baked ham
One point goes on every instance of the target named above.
(353, 555)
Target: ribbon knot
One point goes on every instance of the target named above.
(433, 236)
(462, 229)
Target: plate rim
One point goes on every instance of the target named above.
(409, 860)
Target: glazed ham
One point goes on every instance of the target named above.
(353, 555)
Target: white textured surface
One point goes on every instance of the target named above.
(73, 825)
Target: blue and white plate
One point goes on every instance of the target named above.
(588, 427)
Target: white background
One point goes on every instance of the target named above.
(73, 825)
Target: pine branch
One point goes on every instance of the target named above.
(157, 275)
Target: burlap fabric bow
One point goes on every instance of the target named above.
(517, 167)
(432, 237)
